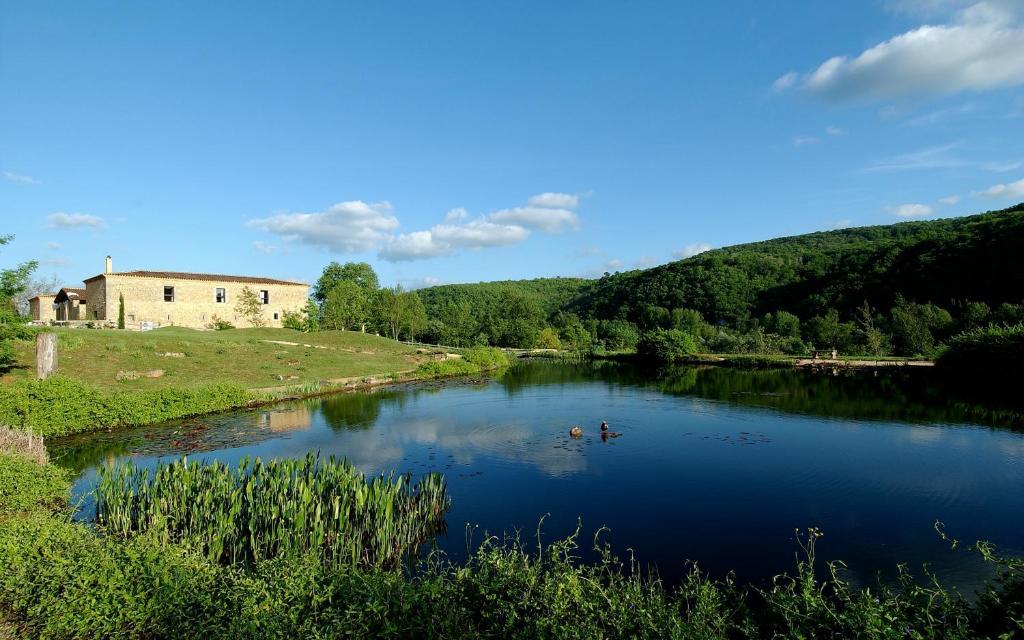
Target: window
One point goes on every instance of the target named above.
(264, 296)
(221, 294)
(131, 317)
(168, 294)
(275, 316)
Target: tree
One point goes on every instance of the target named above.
(547, 339)
(414, 314)
(872, 339)
(344, 307)
(782, 323)
(250, 307)
(359, 273)
(666, 345)
(13, 282)
(34, 287)
(389, 310)
(828, 331)
(516, 320)
(120, 311)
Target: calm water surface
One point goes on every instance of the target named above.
(712, 465)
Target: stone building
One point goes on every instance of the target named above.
(162, 298)
(70, 304)
(41, 308)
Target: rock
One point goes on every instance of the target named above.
(171, 354)
(127, 375)
(279, 377)
(152, 373)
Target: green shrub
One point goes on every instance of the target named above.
(486, 357)
(986, 351)
(59, 406)
(219, 324)
(666, 345)
(26, 485)
(7, 356)
(445, 368)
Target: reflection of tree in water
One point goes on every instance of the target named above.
(893, 395)
(896, 395)
(360, 410)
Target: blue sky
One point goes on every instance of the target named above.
(466, 141)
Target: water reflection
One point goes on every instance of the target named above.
(711, 464)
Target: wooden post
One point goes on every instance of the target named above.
(46, 355)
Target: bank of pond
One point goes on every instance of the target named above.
(463, 508)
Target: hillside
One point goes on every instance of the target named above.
(943, 261)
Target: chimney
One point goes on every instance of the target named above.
(109, 267)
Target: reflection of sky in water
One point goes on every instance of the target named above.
(689, 478)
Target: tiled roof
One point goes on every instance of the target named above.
(67, 292)
(180, 275)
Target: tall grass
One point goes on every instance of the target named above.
(276, 509)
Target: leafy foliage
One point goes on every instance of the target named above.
(250, 307)
(59, 405)
(987, 351)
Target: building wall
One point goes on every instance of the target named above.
(194, 302)
(41, 308)
(96, 299)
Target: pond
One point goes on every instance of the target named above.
(712, 465)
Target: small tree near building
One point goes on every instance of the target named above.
(120, 311)
(250, 307)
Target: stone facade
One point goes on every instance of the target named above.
(156, 299)
(71, 305)
(41, 309)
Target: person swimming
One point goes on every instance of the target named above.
(604, 425)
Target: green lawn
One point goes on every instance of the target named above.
(242, 356)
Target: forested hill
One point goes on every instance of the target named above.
(978, 258)
(922, 282)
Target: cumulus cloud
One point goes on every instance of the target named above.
(949, 200)
(61, 220)
(554, 200)
(357, 226)
(549, 220)
(1008, 190)
(910, 210)
(350, 226)
(691, 250)
(981, 48)
(20, 179)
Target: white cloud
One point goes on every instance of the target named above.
(691, 250)
(61, 220)
(20, 179)
(938, 157)
(803, 141)
(421, 283)
(456, 214)
(949, 200)
(264, 247)
(546, 219)
(645, 262)
(834, 131)
(351, 226)
(786, 81)
(357, 226)
(1009, 190)
(844, 223)
(980, 49)
(554, 200)
(910, 210)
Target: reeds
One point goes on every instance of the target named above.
(280, 508)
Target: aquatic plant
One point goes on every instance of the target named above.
(279, 508)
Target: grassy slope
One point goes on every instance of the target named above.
(239, 355)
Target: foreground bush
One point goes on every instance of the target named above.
(987, 351)
(59, 406)
(283, 508)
